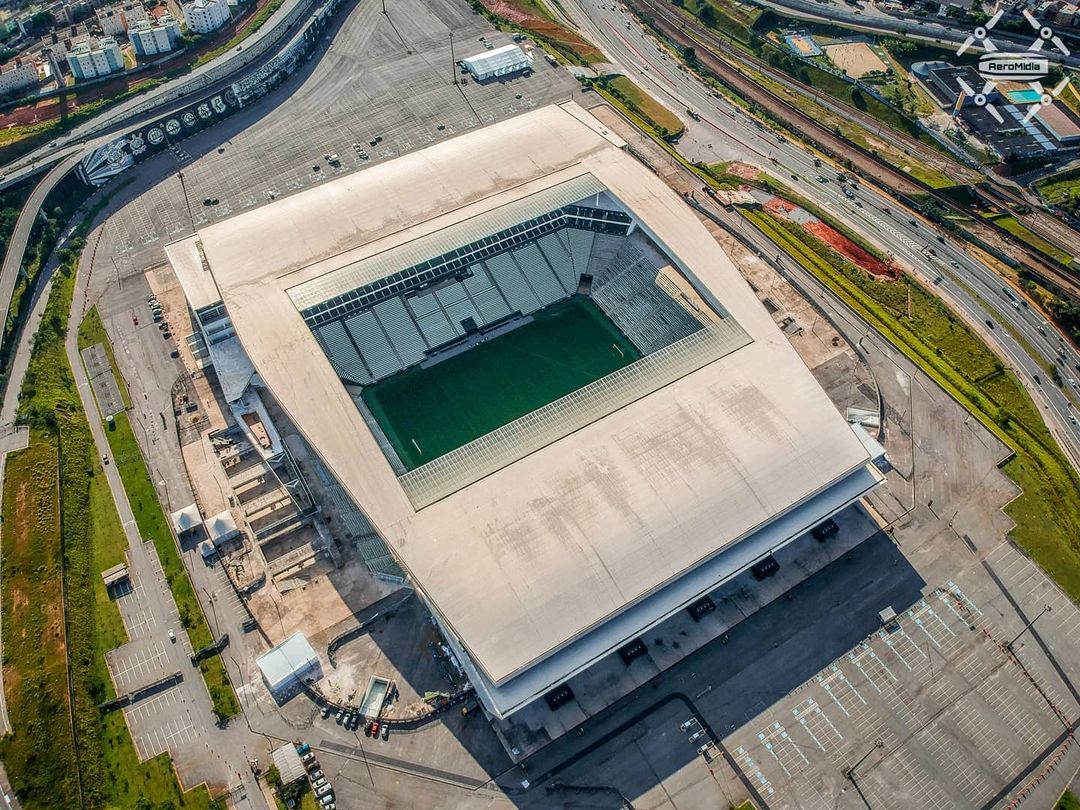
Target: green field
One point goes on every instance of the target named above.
(426, 412)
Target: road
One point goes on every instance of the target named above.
(205, 79)
(141, 559)
(16, 248)
(878, 22)
(726, 132)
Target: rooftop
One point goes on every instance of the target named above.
(574, 534)
(281, 663)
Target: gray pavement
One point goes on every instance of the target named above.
(188, 735)
(725, 132)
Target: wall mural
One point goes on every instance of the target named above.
(109, 160)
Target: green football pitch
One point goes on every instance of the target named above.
(426, 412)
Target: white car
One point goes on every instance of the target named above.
(318, 783)
(327, 802)
(324, 790)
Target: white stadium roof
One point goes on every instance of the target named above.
(560, 555)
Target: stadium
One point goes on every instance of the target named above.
(542, 381)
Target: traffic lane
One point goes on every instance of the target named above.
(905, 243)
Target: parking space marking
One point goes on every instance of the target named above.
(918, 781)
(784, 750)
(818, 725)
(869, 665)
(939, 744)
(146, 709)
(1015, 714)
(763, 785)
(837, 686)
(954, 589)
(976, 726)
(137, 664)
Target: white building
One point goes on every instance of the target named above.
(116, 20)
(286, 667)
(204, 16)
(555, 540)
(17, 76)
(497, 62)
(154, 38)
(89, 59)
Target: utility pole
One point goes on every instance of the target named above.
(850, 772)
(453, 62)
(1027, 627)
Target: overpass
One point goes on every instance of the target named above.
(16, 248)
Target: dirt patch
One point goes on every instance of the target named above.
(778, 206)
(744, 170)
(543, 28)
(848, 249)
(19, 600)
(855, 58)
(54, 627)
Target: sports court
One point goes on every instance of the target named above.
(426, 412)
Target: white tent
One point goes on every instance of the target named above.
(221, 528)
(288, 665)
(186, 519)
(498, 62)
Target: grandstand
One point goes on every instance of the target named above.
(541, 382)
(386, 336)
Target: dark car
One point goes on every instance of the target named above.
(990, 323)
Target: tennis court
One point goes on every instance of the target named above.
(426, 412)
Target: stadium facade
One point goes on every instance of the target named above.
(567, 523)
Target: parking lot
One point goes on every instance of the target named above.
(99, 370)
(957, 719)
(279, 145)
(161, 724)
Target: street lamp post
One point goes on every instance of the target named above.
(850, 772)
(1028, 626)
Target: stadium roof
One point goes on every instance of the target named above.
(578, 533)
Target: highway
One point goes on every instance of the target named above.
(877, 22)
(972, 288)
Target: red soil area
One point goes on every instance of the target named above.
(744, 170)
(778, 206)
(50, 109)
(845, 247)
(542, 28)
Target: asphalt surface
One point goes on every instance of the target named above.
(156, 601)
(726, 132)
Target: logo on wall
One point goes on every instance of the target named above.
(118, 155)
(1028, 66)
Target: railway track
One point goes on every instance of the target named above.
(718, 58)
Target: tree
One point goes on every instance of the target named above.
(707, 14)
(273, 776)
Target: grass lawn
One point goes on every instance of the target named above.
(60, 527)
(645, 105)
(1047, 514)
(1062, 189)
(152, 523)
(567, 346)
(1068, 801)
(1010, 223)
